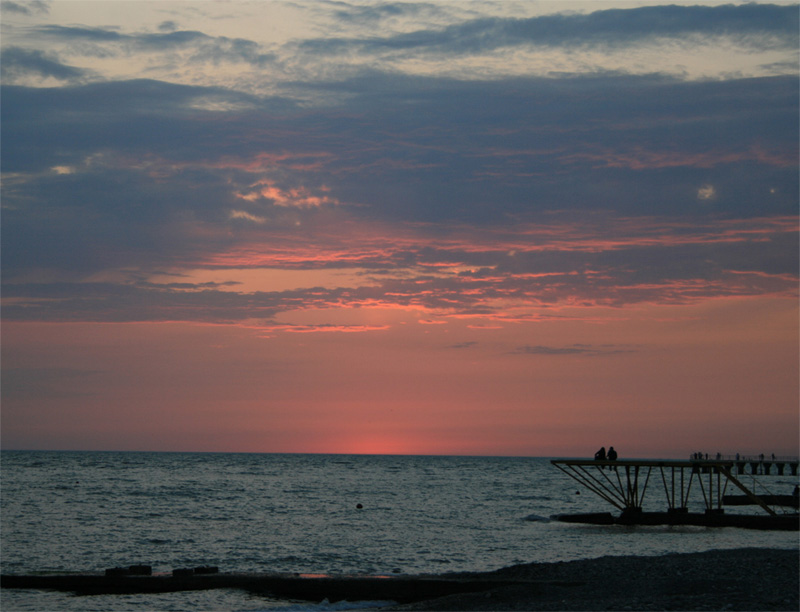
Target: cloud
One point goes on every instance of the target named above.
(575, 349)
(706, 192)
(755, 26)
(371, 14)
(18, 62)
(200, 46)
(80, 33)
(246, 216)
(412, 38)
(29, 7)
(300, 197)
(460, 198)
(101, 123)
(311, 329)
(552, 267)
(462, 345)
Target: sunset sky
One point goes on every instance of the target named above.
(482, 228)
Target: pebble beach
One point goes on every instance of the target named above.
(741, 579)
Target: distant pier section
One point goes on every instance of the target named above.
(624, 484)
(763, 465)
(756, 465)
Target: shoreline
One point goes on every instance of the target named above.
(735, 579)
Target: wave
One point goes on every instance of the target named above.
(535, 518)
(326, 606)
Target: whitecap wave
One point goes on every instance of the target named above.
(327, 606)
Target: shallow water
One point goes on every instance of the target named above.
(75, 511)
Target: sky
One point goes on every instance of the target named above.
(468, 228)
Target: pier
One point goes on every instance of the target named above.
(624, 484)
(761, 464)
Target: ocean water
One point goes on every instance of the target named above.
(86, 511)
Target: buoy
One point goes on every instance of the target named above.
(359, 506)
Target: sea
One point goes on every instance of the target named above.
(80, 512)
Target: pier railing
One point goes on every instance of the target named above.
(738, 457)
(756, 464)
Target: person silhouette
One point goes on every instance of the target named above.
(601, 454)
(612, 454)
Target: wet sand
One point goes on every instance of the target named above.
(742, 579)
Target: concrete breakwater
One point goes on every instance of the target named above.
(309, 587)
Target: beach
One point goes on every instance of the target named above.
(741, 579)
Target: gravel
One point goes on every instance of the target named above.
(741, 579)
